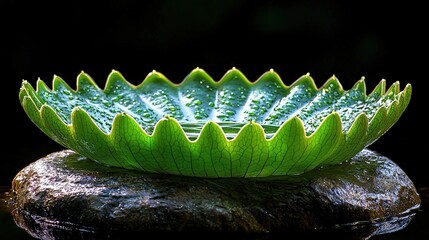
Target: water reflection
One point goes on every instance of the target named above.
(42, 228)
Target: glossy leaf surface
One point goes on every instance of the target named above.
(206, 128)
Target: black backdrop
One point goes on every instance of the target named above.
(349, 39)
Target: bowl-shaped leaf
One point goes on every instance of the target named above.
(206, 128)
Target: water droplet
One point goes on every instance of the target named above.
(106, 103)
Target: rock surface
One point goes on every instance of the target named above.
(75, 193)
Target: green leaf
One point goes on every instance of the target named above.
(206, 128)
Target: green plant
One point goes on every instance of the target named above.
(203, 128)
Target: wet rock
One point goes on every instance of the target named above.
(75, 193)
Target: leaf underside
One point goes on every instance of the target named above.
(206, 128)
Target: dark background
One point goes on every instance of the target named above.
(350, 39)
